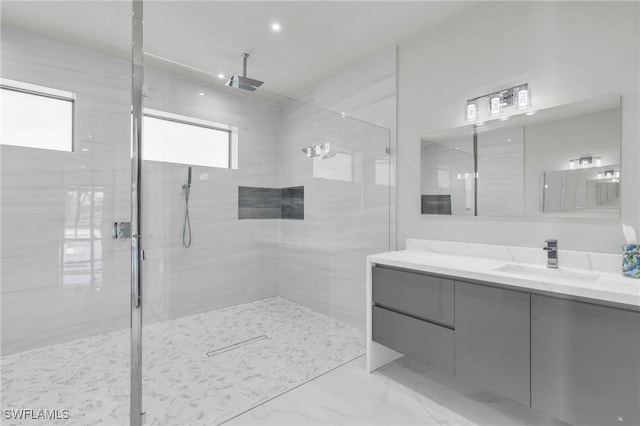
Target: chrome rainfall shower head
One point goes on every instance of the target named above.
(242, 81)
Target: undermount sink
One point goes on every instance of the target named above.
(548, 273)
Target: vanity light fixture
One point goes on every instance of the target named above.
(518, 97)
(607, 174)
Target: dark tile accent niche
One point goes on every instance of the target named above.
(436, 204)
(270, 203)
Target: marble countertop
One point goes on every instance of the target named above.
(595, 285)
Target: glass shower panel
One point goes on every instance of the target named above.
(65, 178)
(254, 270)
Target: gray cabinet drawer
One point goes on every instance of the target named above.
(585, 362)
(416, 294)
(418, 339)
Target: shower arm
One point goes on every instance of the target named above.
(245, 56)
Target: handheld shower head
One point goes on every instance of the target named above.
(188, 184)
(242, 81)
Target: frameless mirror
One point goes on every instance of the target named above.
(557, 162)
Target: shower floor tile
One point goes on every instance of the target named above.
(200, 369)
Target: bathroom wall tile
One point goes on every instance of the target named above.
(63, 277)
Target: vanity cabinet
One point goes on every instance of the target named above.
(492, 340)
(575, 359)
(585, 362)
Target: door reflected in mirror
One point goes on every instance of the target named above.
(559, 162)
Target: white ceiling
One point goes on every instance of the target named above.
(318, 40)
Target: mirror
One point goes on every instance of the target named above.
(557, 162)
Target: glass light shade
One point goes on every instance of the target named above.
(471, 113)
(495, 106)
(522, 97)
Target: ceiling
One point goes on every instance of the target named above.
(319, 39)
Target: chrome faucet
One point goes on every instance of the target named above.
(552, 253)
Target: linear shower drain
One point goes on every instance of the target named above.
(236, 345)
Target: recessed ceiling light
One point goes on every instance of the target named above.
(201, 94)
(276, 26)
(220, 76)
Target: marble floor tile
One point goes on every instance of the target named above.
(198, 370)
(404, 392)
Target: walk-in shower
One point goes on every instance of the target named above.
(259, 303)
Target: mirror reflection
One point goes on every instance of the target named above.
(557, 162)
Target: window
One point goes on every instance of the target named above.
(36, 117)
(172, 138)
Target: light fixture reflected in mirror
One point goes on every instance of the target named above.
(318, 150)
(585, 161)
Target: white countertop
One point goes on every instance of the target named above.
(598, 285)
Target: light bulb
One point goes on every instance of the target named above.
(472, 111)
(522, 97)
